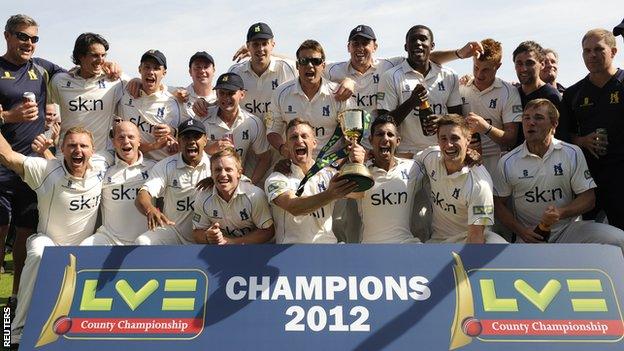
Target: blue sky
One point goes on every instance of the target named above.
(180, 28)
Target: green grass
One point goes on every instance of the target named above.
(6, 280)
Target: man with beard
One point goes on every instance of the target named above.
(402, 88)
(233, 211)
(156, 113)
(174, 178)
(463, 204)
(306, 218)
(122, 182)
(68, 193)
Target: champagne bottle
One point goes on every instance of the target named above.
(424, 111)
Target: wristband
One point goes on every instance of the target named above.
(488, 131)
(457, 54)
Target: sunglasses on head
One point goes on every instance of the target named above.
(21, 36)
(315, 61)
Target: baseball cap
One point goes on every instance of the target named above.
(230, 81)
(156, 55)
(201, 54)
(259, 31)
(619, 29)
(363, 31)
(191, 125)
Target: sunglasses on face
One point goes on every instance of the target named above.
(21, 36)
(315, 61)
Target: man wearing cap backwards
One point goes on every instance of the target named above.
(174, 178)
(202, 70)
(156, 113)
(230, 126)
(68, 194)
(85, 95)
(310, 97)
(597, 101)
(402, 88)
(122, 223)
(233, 211)
(306, 218)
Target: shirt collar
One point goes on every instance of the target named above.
(555, 144)
(496, 84)
(119, 161)
(324, 89)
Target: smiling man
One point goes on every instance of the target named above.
(68, 193)
(549, 184)
(233, 211)
(550, 71)
(231, 126)
(400, 97)
(461, 195)
(85, 95)
(156, 112)
(174, 178)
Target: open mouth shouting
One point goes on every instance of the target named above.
(192, 151)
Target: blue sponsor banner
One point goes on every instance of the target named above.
(330, 297)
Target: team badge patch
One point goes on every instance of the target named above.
(587, 174)
(483, 210)
(516, 108)
(381, 96)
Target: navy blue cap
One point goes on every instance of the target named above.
(619, 29)
(156, 55)
(203, 55)
(363, 31)
(259, 31)
(230, 81)
(191, 125)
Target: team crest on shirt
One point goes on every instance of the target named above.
(375, 78)
(587, 174)
(160, 112)
(274, 84)
(215, 213)
(321, 186)
(455, 193)
(586, 102)
(32, 75)
(129, 103)
(432, 175)
(407, 88)
(404, 174)
(68, 85)
(289, 110)
(493, 103)
(614, 98)
(243, 214)
(245, 134)
(144, 175)
(558, 169)
(441, 86)
(7, 75)
(101, 84)
(326, 111)
(174, 183)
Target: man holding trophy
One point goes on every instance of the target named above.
(305, 198)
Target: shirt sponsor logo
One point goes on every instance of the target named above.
(525, 175)
(389, 198)
(257, 107)
(7, 75)
(86, 104)
(483, 210)
(438, 200)
(84, 203)
(540, 195)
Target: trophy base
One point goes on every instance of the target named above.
(359, 174)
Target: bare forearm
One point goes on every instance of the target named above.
(475, 234)
(401, 112)
(584, 202)
(264, 162)
(298, 206)
(143, 202)
(258, 236)
(505, 216)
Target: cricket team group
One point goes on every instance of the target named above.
(93, 156)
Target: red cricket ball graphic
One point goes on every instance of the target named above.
(472, 327)
(62, 325)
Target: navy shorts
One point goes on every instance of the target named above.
(18, 203)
